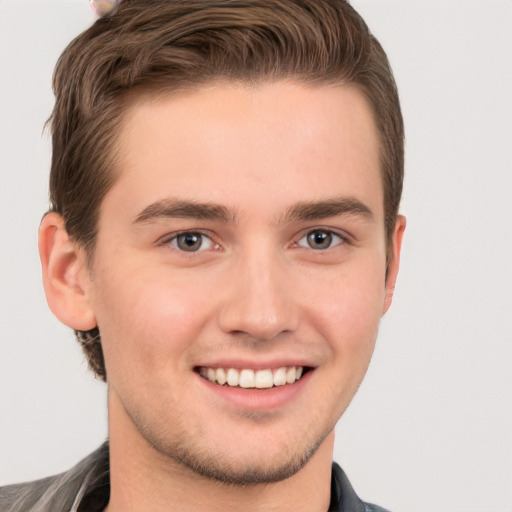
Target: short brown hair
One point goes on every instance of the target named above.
(169, 44)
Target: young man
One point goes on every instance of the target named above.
(224, 238)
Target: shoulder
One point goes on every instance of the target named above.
(57, 493)
(344, 497)
(24, 497)
(374, 508)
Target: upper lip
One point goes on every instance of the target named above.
(255, 365)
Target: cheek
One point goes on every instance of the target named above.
(347, 309)
(143, 320)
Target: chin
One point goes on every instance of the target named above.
(250, 469)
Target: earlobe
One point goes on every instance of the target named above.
(65, 275)
(394, 261)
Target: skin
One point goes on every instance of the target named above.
(255, 295)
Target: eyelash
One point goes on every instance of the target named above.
(336, 240)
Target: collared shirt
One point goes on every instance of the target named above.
(86, 488)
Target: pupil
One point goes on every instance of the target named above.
(189, 242)
(319, 240)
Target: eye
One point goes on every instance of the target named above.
(191, 241)
(320, 239)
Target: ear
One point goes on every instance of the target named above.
(65, 275)
(394, 261)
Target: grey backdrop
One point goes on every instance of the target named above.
(431, 427)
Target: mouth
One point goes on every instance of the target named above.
(247, 378)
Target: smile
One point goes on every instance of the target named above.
(252, 379)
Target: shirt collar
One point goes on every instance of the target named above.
(94, 492)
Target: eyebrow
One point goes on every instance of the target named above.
(300, 212)
(316, 210)
(184, 209)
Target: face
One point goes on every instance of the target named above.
(238, 278)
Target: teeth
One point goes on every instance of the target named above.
(280, 377)
(220, 376)
(250, 379)
(263, 379)
(210, 374)
(233, 377)
(291, 375)
(246, 379)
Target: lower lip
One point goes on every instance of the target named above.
(258, 399)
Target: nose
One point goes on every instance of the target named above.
(259, 299)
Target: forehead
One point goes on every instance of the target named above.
(230, 142)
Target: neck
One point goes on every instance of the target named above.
(141, 478)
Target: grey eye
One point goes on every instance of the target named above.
(191, 242)
(320, 239)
